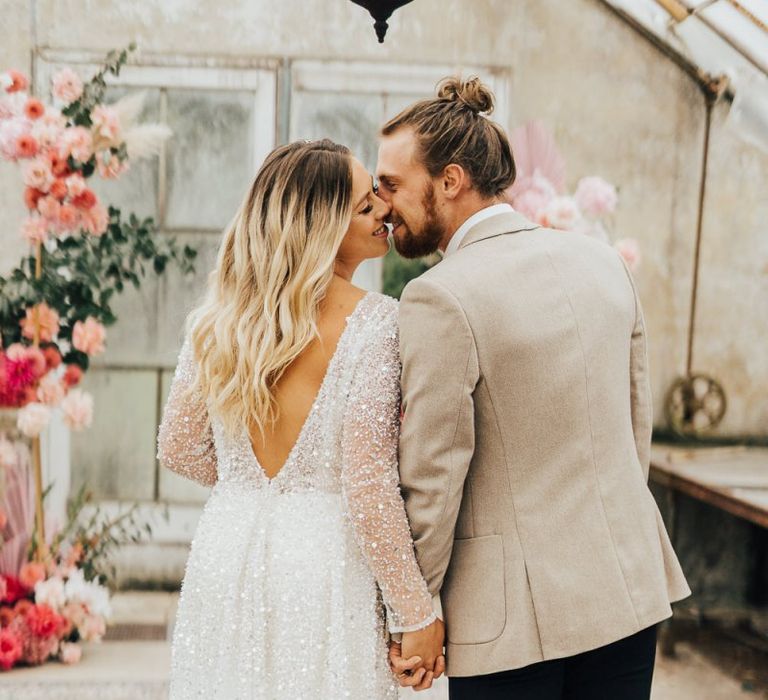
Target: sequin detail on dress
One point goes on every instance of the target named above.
(280, 596)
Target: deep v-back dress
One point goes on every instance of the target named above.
(283, 587)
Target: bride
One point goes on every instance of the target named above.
(286, 400)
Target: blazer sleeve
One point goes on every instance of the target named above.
(640, 387)
(437, 441)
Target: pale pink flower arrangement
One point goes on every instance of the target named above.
(539, 191)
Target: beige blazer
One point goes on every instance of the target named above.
(525, 447)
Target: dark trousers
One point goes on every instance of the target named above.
(619, 671)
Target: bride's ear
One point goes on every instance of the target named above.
(453, 181)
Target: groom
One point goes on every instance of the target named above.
(525, 445)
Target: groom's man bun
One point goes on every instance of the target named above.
(471, 93)
(453, 128)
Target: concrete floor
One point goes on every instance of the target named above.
(138, 670)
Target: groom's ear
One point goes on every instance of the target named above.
(454, 180)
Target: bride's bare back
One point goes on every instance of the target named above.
(298, 388)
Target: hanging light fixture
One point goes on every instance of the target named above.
(381, 11)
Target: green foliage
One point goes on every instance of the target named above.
(399, 271)
(81, 275)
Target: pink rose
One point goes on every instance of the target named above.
(75, 184)
(95, 220)
(561, 213)
(88, 336)
(47, 320)
(70, 653)
(69, 218)
(10, 649)
(50, 209)
(19, 81)
(38, 174)
(35, 230)
(629, 249)
(106, 126)
(109, 165)
(31, 573)
(93, 628)
(33, 419)
(11, 130)
(50, 391)
(67, 85)
(595, 196)
(78, 143)
(34, 109)
(49, 128)
(78, 409)
(27, 146)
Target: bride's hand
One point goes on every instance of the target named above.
(426, 643)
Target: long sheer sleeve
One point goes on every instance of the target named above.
(370, 482)
(185, 439)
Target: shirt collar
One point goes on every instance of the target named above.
(476, 218)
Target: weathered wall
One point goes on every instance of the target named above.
(618, 107)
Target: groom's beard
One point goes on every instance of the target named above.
(427, 241)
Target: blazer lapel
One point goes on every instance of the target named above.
(499, 225)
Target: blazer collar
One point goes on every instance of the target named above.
(499, 225)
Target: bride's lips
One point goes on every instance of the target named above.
(381, 232)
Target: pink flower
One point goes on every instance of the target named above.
(75, 184)
(31, 573)
(88, 336)
(50, 391)
(27, 146)
(629, 249)
(106, 126)
(35, 230)
(69, 219)
(561, 213)
(85, 200)
(3, 521)
(67, 85)
(10, 649)
(78, 409)
(50, 209)
(43, 621)
(38, 174)
(34, 109)
(595, 196)
(32, 197)
(78, 143)
(534, 194)
(70, 653)
(33, 419)
(59, 165)
(18, 81)
(49, 129)
(92, 628)
(72, 375)
(75, 613)
(11, 130)
(110, 166)
(47, 320)
(95, 220)
(59, 189)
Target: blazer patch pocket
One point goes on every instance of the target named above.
(473, 594)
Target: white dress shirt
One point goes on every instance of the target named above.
(476, 218)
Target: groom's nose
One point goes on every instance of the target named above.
(384, 210)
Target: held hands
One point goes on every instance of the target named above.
(419, 658)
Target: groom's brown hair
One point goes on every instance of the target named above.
(454, 128)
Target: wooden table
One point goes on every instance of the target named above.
(733, 479)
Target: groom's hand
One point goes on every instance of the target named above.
(409, 672)
(428, 644)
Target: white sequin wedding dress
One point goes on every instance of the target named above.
(280, 598)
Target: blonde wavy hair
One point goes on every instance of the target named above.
(274, 266)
